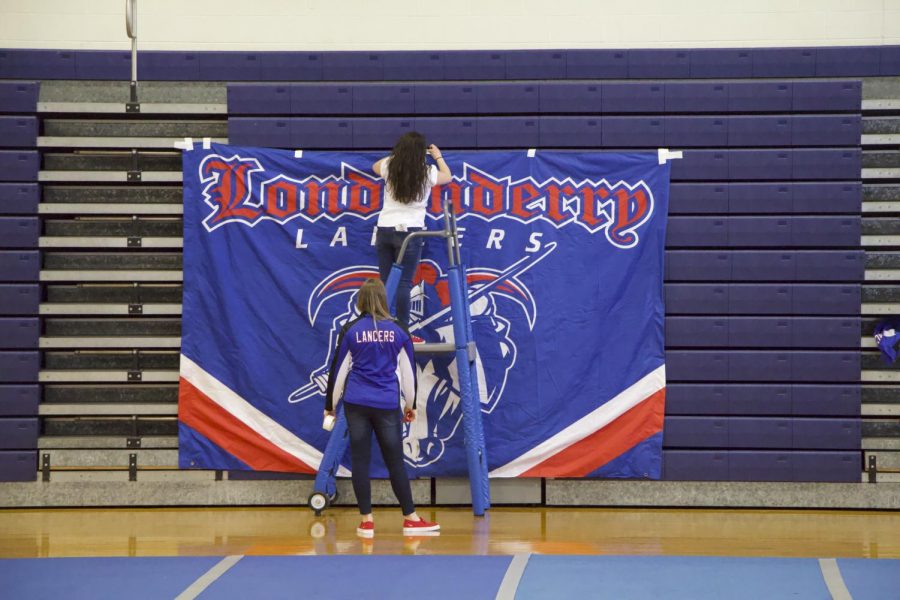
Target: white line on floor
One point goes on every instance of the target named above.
(833, 579)
(207, 578)
(513, 575)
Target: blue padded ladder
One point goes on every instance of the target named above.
(463, 348)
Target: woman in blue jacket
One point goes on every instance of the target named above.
(373, 366)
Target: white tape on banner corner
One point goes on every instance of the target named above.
(187, 144)
(206, 143)
(664, 154)
(298, 153)
(532, 152)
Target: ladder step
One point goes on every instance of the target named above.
(447, 348)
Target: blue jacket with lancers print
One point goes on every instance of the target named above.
(373, 365)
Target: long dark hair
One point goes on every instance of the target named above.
(407, 172)
(372, 300)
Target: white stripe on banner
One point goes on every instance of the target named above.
(645, 387)
(251, 416)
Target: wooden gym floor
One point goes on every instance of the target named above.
(282, 531)
(511, 554)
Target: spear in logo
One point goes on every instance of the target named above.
(515, 269)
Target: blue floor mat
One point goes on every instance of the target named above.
(871, 579)
(100, 578)
(671, 578)
(382, 577)
(446, 577)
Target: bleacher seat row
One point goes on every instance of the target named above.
(670, 97)
(866, 61)
(548, 132)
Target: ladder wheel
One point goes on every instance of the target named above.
(318, 502)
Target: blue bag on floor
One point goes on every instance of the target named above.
(887, 334)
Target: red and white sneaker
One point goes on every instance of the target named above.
(416, 339)
(366, 529)
(420, 527)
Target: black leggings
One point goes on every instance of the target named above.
(361, 421)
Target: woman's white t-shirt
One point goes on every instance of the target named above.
(395, 213)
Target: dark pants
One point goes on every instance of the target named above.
(387, 243)
(386, 423)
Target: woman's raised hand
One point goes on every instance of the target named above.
(444, 175)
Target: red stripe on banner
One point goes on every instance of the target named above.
(597, 449)
(198, 411)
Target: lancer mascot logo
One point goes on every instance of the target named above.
(491, 294)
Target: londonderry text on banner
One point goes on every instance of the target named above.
(565, 269)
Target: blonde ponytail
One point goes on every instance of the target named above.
(372, 300)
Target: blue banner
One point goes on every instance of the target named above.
(564, 253)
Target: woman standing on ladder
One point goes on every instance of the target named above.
(373, 366)
(408, 182)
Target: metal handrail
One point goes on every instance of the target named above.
(131, 18)
(449, 232)
(131, 30)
